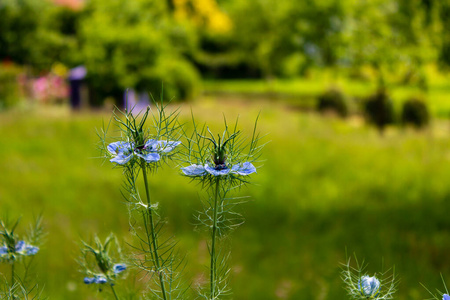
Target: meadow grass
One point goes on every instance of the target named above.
(327, 187)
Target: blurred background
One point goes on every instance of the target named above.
(354, 97)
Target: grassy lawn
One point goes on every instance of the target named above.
(327, 187)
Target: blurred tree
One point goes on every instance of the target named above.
(391, 36)
(275, 38)
(134, 44)
(443, 9)
(27, 34)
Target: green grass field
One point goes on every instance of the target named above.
(327, 187)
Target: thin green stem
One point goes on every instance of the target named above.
(114, 292)
(213, 270)
(12, 275)
(152, 230)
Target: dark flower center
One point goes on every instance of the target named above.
(220, 167)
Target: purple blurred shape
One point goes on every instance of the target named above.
(136, 103)
(77, 73)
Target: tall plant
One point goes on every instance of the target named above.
(221, 163)
(139, 150)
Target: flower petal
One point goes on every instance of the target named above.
(194, 170)
(167, 146)
(118, 268)
(89, 280)
(445, 297)
(31, 250)
(20, 246)
(243, 169)
(151, 145)
(122, 158)
(148, 156)
(215, 172)
(100, 279)
(3, 250)
(117, 147)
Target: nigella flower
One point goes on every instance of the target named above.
(118, 268)
(369, 286)
(106, 271)
(19, 248)
(445, 297)
(123, 151)
(25, 249)
(222, 156)
(363, 287)
(243, 169)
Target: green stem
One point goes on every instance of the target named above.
(213, 274)
(152, 229)
(12, 275)
(114, 292)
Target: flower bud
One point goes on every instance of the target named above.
(369, 286)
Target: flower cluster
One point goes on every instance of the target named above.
(20, 248)
(151, 151)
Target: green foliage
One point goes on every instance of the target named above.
(9, 88)
(127, 44)
(333, 100)
(415, 112)
(379, 110)
(280, 32)
(29, 35)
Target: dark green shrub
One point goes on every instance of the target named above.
(415, 112)
(379, 110)
(333, 100)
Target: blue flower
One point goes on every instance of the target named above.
(3, 250)
(368, 286)
(89, 280)
(243, 169)
(445, 297)
(123, 151)
(31, 250)
(118, 268)
(20, 246)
